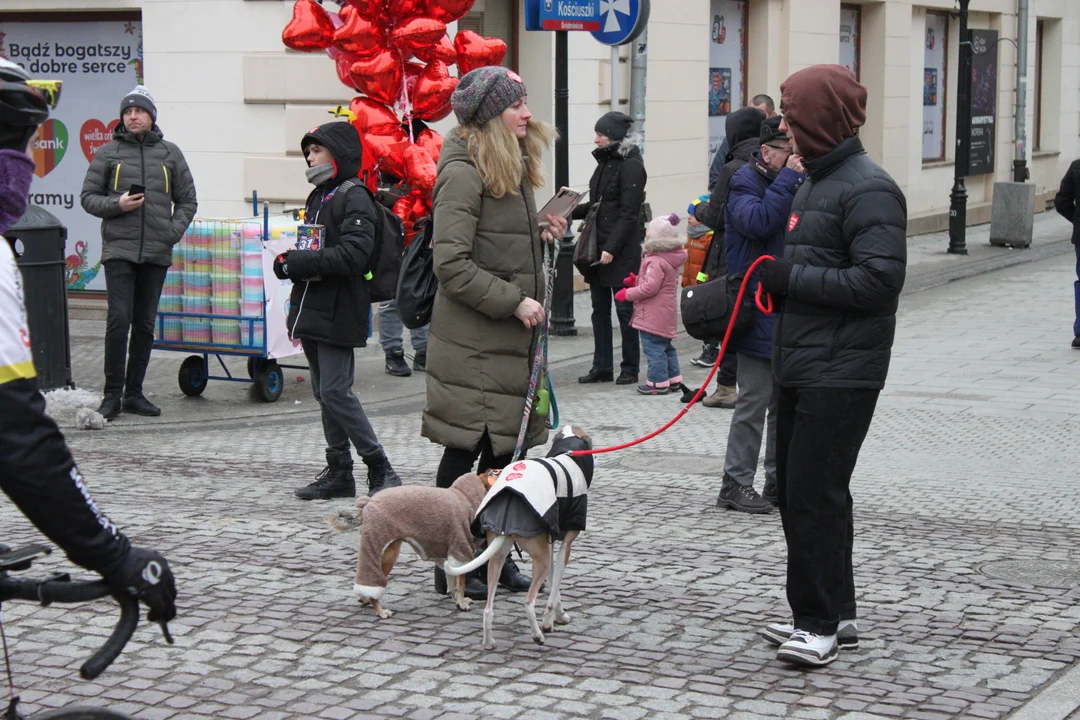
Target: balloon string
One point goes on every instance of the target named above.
(404, 99)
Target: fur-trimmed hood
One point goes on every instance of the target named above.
(624, 148)
(654, 246)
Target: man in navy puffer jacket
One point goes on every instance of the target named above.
(758, 204)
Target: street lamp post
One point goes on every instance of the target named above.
(562, 294)
(958, 197)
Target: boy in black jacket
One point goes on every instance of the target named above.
(1065, 202)
(328, 309)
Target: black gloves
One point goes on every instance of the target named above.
(775, 275)
(146, 575)
(281, 266)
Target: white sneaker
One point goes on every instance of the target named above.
(847, 635)
(806, 648)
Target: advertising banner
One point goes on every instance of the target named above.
(984, 67)
(850, 19)
(727, 66)
(99, 62)
(934, 54)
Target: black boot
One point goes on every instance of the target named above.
(380, 475)
(110, 406)
(419, 363)
(335, 481)
(511, 577)
(137, 404)
(395, 364)
(440, 581)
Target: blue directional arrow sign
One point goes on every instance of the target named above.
(621, 21)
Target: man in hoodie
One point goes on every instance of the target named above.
(837, 284)
(742, 128)
(140, 186)
(761, 102)
(328, 309)
(759, 201)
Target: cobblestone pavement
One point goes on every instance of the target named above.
(966, 556)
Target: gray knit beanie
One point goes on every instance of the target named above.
(484, 93)
(139, 97)
(614, 125)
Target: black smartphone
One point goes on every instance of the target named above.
(136, 189)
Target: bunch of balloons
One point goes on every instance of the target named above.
(397, 54)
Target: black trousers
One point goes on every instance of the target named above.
(133, 293)
(728, 371)
(818, 436)
(603, 353)
(456, 462)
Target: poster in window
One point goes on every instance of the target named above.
(99, 62)
(719, 91)
(727, 67)
(935, 52)
(984, 69)
(849, 38)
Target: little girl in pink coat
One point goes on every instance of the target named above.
(655, 294)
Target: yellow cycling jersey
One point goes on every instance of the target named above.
(16, 362)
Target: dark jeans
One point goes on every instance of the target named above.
(1076, 293)
(133, 292)
(456, 462)
(603, 355)
(332, 369)
(728, 371)
(818, 436)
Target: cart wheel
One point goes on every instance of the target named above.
(193, 376)
(269, 382)
(253, 366)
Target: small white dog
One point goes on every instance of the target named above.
(534, 503)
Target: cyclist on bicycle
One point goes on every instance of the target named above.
(37, 470)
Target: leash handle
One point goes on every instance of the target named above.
(766, 306)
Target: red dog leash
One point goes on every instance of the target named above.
(764, 302)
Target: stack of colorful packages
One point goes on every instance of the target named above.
(225, 247)
(168, 328)
(198, 265)
(252, 334)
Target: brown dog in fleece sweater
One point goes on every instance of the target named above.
(434, 521)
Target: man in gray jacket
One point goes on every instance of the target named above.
(140, 186)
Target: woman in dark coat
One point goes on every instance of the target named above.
(618, 185)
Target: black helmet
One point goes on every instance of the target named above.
(22, 106)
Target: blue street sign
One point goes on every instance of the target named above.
(562, 14)
(621, 21)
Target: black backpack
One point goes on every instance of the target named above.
(385, 263)
(417, 284)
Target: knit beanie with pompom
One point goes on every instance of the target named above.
(665, 226)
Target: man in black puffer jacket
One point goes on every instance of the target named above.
(1067, 205)
(839, 280)
(328, 309)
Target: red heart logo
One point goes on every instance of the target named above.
(475, 51)
(93, 135)
(520, 466)
(513, 476)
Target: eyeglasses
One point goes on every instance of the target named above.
(49, 89)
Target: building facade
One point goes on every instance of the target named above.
(237, 102)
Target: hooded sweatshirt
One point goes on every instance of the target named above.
(656, 295)
(743, 128)
(823, 105)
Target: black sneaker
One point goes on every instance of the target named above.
(626, 378)
(511, 577)
(769, 494)
(1076, 342)
(419, 363)
(395, 364)
(707, 357)
(332, 482)
(380, 475)
(139, 405)
(742, 498)
(110, 406)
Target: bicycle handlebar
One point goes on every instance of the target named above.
(61, 590)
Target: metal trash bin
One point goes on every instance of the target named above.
(38, 241)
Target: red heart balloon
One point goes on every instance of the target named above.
(410, 208)
(371, 9)
(390, 150)
(431, 100)
(399, 9)
(475, 51)
(449, 10)
(343, 63)
(442, 50)
(310, 29)
(430, 141)
(369, 161)
(358, 35)
(417, 32)
(373, 117)
(419, 169)
(379, 77)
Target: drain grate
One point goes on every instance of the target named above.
(1042, 573)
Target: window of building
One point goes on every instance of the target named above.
(727, 66)
(850, 37)
(1040, 28)
(497, 19)
(935, 74)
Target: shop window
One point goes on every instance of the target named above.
(935, 75)
(727, 66)
(851, 37)
(497, 19)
